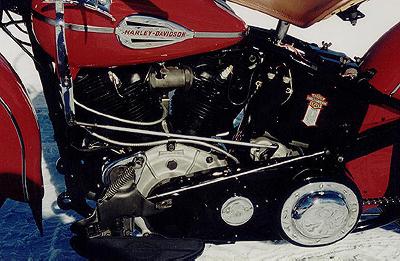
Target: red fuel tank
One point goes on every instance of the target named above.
(126, 32)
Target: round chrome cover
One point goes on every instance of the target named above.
(320, 213)
(236, 211)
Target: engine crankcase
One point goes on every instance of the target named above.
(163, 163)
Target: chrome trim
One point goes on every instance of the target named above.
(110, 30)
(395, 90)
(146, 32)
(218, 35)
(75, 27)
(22, 144)
(177, 191)
(89, 28)
(64, 72)
(95, 5)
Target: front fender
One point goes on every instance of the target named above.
(20, 146)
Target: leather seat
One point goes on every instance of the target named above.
(303, 13)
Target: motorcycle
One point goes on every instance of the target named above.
(177, 121)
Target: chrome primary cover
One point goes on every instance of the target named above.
(320, 213)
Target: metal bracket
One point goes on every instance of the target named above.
(351, 14)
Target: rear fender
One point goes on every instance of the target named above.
(378, 173)
(20, 147)
(384, 58)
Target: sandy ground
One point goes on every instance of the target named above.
(20, 240)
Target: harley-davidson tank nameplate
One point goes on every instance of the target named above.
(144, 32)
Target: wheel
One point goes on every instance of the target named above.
(319, 213)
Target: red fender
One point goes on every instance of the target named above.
(372, 172)
(20, 147)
